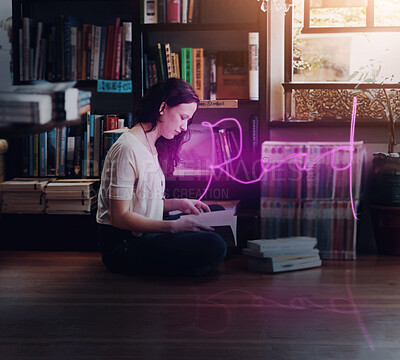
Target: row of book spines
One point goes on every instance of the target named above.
(69, 151)
(170, 11)
(44, 153)
(308, 208)
(67, 51)
(96, 141)
(322, 180)
(334, 185)
(192, 68)
(206, 71)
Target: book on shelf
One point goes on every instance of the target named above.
(254, 66)
(169, 11)
(161, 11)
(127, 52)
(22, 201)
(173, 11)
(198, 71)
(77, 181)
(39, 30)
(168, 59)
(110, 137)
(174, 65)
(27, 73)
(193, 11)
(26, 108)
(71, 196)
(3, 150)
(187, 64)
(232, 75)
(254, 124)
(115, 63)
(213, 76)
(96, 52)
(184, 11)
(150, 8)
(42, 154)
(35, 155)
(67, 50)
(196, 154)
(24, 208)
(88, 43)
(161, 62)
(85, 193)
(71, 206)
(24, 184)
(67, 101)
(22, 196)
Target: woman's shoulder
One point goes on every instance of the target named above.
(129, 142)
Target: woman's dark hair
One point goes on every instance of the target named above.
(173, 92)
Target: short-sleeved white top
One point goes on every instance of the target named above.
(132, 173)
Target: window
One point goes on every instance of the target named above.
(345, 40)
(321, 16)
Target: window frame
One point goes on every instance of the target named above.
(370, 27)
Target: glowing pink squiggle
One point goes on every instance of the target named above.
(300, 303)
(266, 161)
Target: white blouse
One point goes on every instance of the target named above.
(132, 173)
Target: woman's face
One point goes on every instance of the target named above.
(175, 119)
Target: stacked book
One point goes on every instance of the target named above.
(69, 196)
(23, 195)
(68, 102)
(43, 102)
(25, 108)
(282, 254)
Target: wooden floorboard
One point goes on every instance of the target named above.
(66, 305)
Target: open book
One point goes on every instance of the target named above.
(220, 221)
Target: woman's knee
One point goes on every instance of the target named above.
(217, 248)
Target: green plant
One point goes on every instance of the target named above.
(370, 74)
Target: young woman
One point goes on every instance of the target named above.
(131, 203)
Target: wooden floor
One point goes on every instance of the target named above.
(67, 306)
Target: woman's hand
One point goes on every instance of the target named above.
(188, 223)
(190, 206)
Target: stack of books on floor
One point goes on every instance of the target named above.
(282, 254)
(23, 195)
(70, 196)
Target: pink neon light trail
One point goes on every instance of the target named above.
(266, 161)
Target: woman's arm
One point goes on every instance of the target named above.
(123, 218)
(189, 206)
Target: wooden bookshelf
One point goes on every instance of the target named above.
(219, 26)
(12, 131)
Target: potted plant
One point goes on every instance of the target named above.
(385, 190)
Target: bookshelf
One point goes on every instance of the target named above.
(219, 26)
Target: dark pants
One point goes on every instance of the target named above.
(192, 253)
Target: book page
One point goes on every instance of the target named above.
(218, 218)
